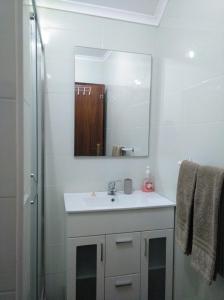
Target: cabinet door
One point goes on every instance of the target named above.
(157, 265)
(85, 268)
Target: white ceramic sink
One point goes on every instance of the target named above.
(87, 202)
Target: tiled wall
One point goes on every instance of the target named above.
(64, 173)
(7, 151)
(89, 71)
(187, 117)
(188, 114)
(128, 102)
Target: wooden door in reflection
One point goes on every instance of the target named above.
(89, 119)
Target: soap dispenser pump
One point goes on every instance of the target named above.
(147, 183)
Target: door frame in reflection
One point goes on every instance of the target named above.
(89, 119)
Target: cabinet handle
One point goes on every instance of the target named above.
(101, 252)
(124, 241)
(146, 247)
(123, 283)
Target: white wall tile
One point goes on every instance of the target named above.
(8, 147)
(204, 15)
(60, 74)
(204, 143)
(27, 249)
(55, 259)
(64, 172)
(194, 287)
(27, 119)
(7, 53)
(168, 147)
(187, 114)
(55, 287)
(54, 222)
(204, 103)
(128, 102)
(7, 150)
(59, 128)
(7, 296)
(58, 42)
(83, 25)
(187, 110)
(8, 243)
(91, 174)
(119, 35)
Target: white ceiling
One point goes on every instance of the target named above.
(147, 12)
(139, 6)
(95, 52)
(91, 54)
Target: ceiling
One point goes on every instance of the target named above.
(147, 12)
(139, 6)
(91, 54)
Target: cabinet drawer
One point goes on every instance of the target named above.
(122, 254)
(122, 288)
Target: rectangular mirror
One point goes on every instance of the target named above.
(112, 103)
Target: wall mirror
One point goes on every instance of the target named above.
(112, 103)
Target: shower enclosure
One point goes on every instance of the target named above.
(33, 229)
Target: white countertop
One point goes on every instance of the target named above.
(101, 201)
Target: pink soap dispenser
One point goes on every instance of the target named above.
(147, 186)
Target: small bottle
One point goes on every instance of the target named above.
(147, 183)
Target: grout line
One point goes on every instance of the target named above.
(6, 292)
(5, 99)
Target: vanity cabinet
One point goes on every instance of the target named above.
(136, 265)
(120, 254)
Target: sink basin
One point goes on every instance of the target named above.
(101, 201)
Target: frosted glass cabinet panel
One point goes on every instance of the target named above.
(86, 272)
(86, 268)
(157, 265)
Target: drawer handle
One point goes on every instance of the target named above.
(124, 241)
(123, 283)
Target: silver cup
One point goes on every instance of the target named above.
(127, 186)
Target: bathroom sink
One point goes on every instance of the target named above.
(101, 201)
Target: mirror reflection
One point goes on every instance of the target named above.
(112, 103)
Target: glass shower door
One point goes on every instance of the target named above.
(34, 162)
(40, 74)
(33, 266)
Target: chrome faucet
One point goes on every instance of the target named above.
(111, 188)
